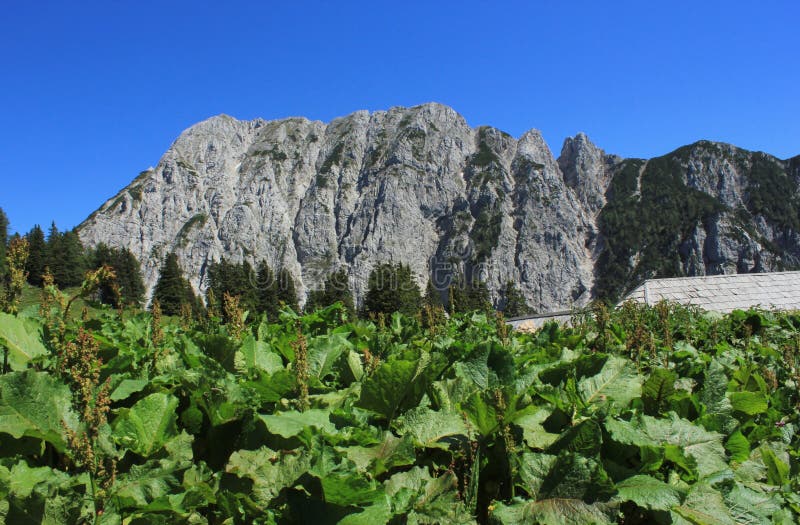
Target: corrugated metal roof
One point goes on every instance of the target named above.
(724, 293)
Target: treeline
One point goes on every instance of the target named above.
(391, 288)
(62, 256)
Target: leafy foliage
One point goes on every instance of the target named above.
(684, 418)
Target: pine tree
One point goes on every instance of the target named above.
(3, 242)
(129, 277)
(108, 292)
(467, 296)
(335, 290)
(267, 292)
(172, 289)
(37, 257)
(65, 257)
(391, 288)
(287, 291)
(432, 296)
(237, 280)
(515, 303)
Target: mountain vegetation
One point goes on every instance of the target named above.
(635, 415)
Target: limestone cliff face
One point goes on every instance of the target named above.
(413, 185)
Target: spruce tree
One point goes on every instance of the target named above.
(391, 288)
(129, 277)
(37, 256)
(237, 280)
(172, 289)
(335, 290)
(467, 296)
(515, 303)
(432, 297)
(3, 241)
(287, 291)
(267, 292)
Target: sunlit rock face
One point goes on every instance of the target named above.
(419, 186)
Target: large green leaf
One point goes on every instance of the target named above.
(703, 446)
(147, 425)
(270, 471)
(430, 428)
(533, 431)
(655, 391)
(718, 411)
(554, 511)
(649, 493)
(291, 423)
(704, 505)
(35, 404)
(255, 354)
(750, 403)
(618, 382)
(389, 453)
(22, 338)
(395, 386)
(323, 351)
(426, 499)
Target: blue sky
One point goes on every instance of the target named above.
(94, 92)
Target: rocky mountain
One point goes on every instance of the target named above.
(420, 186)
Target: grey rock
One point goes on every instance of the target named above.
(413, 185)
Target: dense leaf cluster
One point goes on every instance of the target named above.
(640, 415)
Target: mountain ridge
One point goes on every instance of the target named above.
(419, 185)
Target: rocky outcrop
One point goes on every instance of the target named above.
(419, 186)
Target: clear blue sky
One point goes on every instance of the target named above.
(95, 92)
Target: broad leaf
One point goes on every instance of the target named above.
(291, 423)
(258, 355)
(648, 493)
(391, 452)
(703, 446)
(618, 382)
(270, 471)
(430, 428)
(128, 387)
(22, 338)
(148, 425)
(556, 511)
(396, 385)
(750, 403)
(34, 404)
(655, 391)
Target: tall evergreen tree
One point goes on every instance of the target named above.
(432, 296)
(128, 286)
(287, 291)
(336, 289)
(237, 280)
(129, 276)
(37, 257)
(3, 241)
(391, 288)
(514, 301)
(467, 296)
(65, 257)
(267, 291)
(172, 289)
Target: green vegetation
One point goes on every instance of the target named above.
(514, 303)
(336, 289)
(197, 221)
(649, 226)
(173, 291)
(392, 288)
(485, 232)
(638, 415)
(773, 193)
